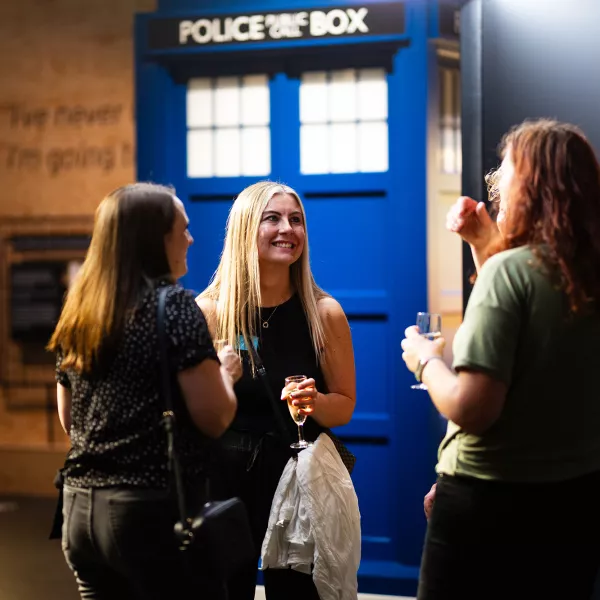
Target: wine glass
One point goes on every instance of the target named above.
(430, 326)
(299, 419)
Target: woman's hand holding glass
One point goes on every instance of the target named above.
(300, 393)
(303, 394)
(417, 348)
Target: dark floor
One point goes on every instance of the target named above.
(32, 567)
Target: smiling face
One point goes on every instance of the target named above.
(281, 232)
(177, 241)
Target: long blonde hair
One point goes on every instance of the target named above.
(235, 286)
(126, 253)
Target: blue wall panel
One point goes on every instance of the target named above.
(414, 446)
(224, 6)
(371, 341)
(207, 225)
(377, 537)
(347, 241)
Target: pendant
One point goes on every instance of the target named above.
(265, 324)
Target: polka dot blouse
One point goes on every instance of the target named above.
(116, 433)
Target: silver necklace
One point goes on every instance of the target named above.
(265, 324)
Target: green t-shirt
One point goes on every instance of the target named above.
(517, 329)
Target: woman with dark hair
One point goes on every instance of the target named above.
(118, 511)
(519, 470)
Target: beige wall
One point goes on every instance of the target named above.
(444, 249)
(66, 98)
(66, 139)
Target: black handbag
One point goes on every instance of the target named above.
(221, 528)
(347, 457)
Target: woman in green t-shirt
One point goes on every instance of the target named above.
(515, 511)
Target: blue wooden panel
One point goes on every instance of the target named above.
(187, 52)
(370, 340)
(387, 577)
(347, 245)
(285, 125)
(199, 189)
(151, 117)
(368, 425)
(207, 226)
(414, 445)
(245, 5)
(358, 303)
(347, 183)
(376, 533)
(176, 154)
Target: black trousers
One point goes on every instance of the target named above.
(491, 541)
(120, 545)
(250, 469)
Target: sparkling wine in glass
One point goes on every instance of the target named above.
(430, 327)
(299, 418)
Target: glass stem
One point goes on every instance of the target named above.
(300, 438)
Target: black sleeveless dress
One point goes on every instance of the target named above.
(253, 454)
(285, 348)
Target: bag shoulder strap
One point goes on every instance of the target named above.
(262, 373)
(168, 419)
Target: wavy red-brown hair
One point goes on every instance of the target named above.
(554, 205)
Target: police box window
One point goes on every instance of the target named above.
(343, 21)
(343, 121)
(228, 126)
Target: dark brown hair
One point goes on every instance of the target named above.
(555, 205)
(126, 252)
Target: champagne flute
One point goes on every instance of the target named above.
(299, 419)
(430, 327)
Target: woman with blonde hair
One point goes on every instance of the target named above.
(119, 511)
(263, 294)
(514, 514)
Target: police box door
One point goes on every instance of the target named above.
(340, 128)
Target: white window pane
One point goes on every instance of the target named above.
(199, 103)
(256, 151)
(227, 101)
(314, 149)
(373, 147)
(343, 150)
(227, 153)
(342, 96)
(255, 100)
(200, 153)
(372, 95)
(313, 98)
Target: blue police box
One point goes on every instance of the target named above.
(331, 98)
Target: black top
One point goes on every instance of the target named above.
(116, 433)
(285, 348)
